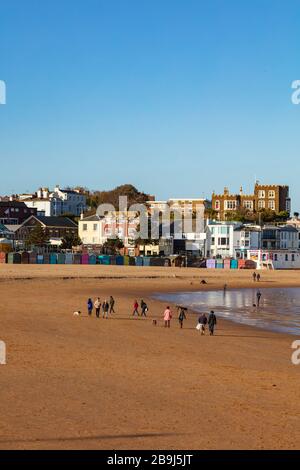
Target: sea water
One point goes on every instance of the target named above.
(279, 308)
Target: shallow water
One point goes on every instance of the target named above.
(279, 309)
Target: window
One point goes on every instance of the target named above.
(217, 205)
(95, 227)
(271, 194)
(275, 257)
(230, 205)
(248, 205)
(293, 257)
(261, 204)
(247, 243)
(213, 240)
(261, 194)
(84, 228)
(286, 257)
(223, 241)
(271, 205)
(223, 230)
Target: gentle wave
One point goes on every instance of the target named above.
(279, 308)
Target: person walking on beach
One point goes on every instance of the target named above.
(258, 297)
(136, 308)
(212, 321)
(111, 305)
(202, 321)
(144, 308)
(167, 317)
(105, 308)
(258, 277)
(90, 306)
(254, 276)
(97, 305)
(181, 317)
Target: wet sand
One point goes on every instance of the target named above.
(83, 383)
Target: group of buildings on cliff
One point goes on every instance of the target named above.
(221, 227)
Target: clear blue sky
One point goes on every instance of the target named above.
(178, 97)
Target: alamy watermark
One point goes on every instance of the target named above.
(152, 223)
(296, 93)
(296, 354)
(2, 92)
(2, 353)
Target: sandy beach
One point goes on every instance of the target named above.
(122, 383)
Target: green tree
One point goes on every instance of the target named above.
(210, 213)
(70, 240)
(112, 246)
(37, 237)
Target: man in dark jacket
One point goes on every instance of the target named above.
(144, 308)
(212, 321)
(111, 304)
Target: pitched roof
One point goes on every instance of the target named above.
(12, 204)
(3, 228)
(57, 221)
(70, 191)
(63, 222)
(92, 218)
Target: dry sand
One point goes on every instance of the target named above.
(82, 383)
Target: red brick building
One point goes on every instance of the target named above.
(14, 212)
(268, 197)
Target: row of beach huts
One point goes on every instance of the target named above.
(93, 259)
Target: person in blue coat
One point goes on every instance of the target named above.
(90, 306)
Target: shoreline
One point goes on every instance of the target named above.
(179, 275)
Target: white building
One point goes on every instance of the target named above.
(275, 259)
(91, 230)
(96, 230)
(56, 203)
(74, 202)
(231, 239)
(247, 237)
(221, 239)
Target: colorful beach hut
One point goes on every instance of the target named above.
(46, 258)
(234, 264)
(32, 257)
(3, 258)
(61, 258)
(25, 257)
(53, 258)
(211, 263)
(92, 259)
(69, 258)
(40, 259)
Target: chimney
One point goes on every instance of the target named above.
(40, 193)
(45, 193)
(241, 190)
